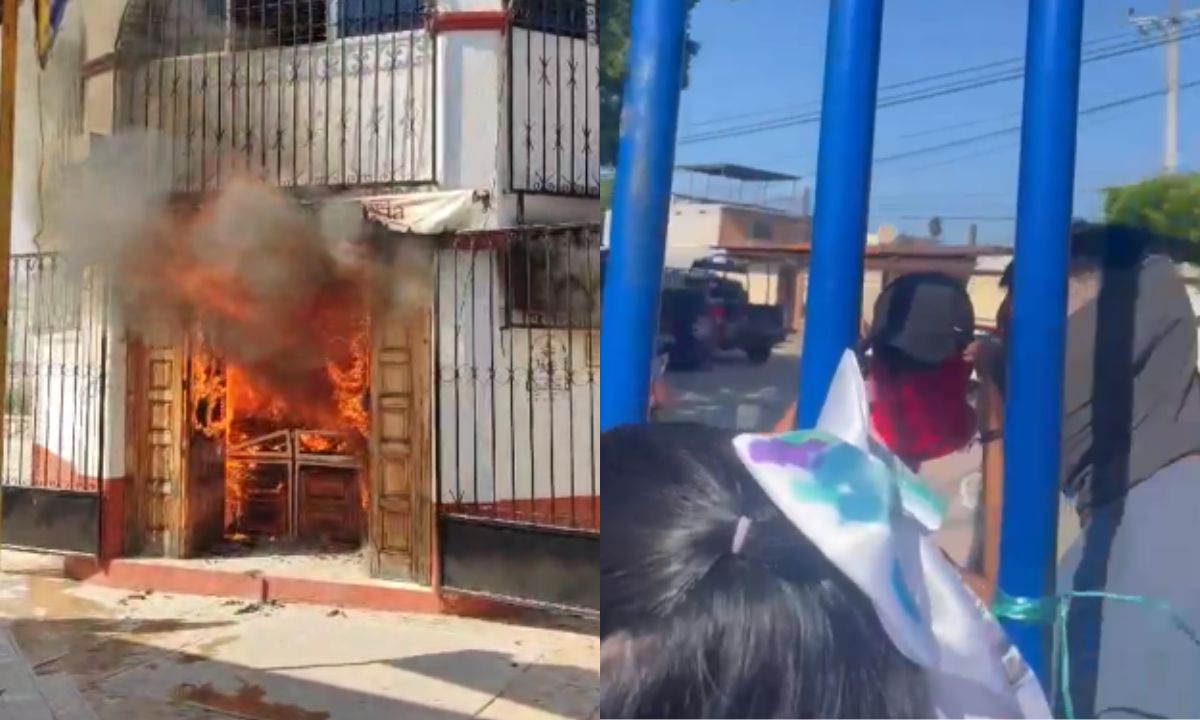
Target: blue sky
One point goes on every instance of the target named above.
(763, 59)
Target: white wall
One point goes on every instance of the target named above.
(49, 117)
(495, 434)
(469, 137)
(469, 5)
(693, 231)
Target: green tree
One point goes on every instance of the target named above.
(614, 44)
(1168, 205)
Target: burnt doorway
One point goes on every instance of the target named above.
(228, 470)
(267, 474)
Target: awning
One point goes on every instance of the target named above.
(431, 213)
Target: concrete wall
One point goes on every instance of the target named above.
(744, 226)
(470, 144)
(986, 296)
(693, 231)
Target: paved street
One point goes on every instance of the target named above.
(158, 657)
(736, 394)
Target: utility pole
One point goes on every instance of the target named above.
(1168, 26)
(8, 124)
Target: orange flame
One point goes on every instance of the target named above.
(267, 356)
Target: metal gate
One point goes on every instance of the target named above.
(54, 409)
(517, 358)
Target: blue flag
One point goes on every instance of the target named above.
(49, 16)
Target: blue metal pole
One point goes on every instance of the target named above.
(1033, 417)
(843, 193)
(641, 199)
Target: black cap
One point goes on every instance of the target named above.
(926, 316)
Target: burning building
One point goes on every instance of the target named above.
(348, 269)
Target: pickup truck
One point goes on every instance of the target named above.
(702, 311)
(753, 328)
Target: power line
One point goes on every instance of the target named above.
(926, 94)
(1009, 143)
(976, 218)
(1017, 128)
(917, 96)
(957, 126)
(905, 83)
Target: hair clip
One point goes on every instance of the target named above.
(739, 535)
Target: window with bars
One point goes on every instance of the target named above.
(556, 17)
(552, 281)
(373, 17)
(182, 27)
(278, 23)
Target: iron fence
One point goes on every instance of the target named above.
(304, 93)
(554, 97)
(518, 372)
(57, 344)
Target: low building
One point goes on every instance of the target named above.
(780, 274)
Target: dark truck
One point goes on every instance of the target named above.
(753, 328)
(703, 310)
(708, 310)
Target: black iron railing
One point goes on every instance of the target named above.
(304, 93)
(518, 372)
(54, 411)
(554, 97)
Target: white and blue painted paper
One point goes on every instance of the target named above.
(872, 517)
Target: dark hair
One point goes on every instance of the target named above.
(691, 629)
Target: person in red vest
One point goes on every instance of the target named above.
(919, 371)
(918, 364)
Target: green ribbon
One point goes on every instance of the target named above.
(1053, 611)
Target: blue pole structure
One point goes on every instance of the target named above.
(641, 199)
(843, 193)
(1033, 417)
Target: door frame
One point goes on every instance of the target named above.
(401, 445)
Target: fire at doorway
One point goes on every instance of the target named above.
(273, 472)
(188, 451)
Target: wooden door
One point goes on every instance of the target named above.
(401, 523)
(204, 477)
(156, 397)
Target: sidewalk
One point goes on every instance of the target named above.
(158, 657)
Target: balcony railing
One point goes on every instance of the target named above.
(554, 97)
(304, 93)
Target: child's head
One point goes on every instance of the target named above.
(706, 614)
